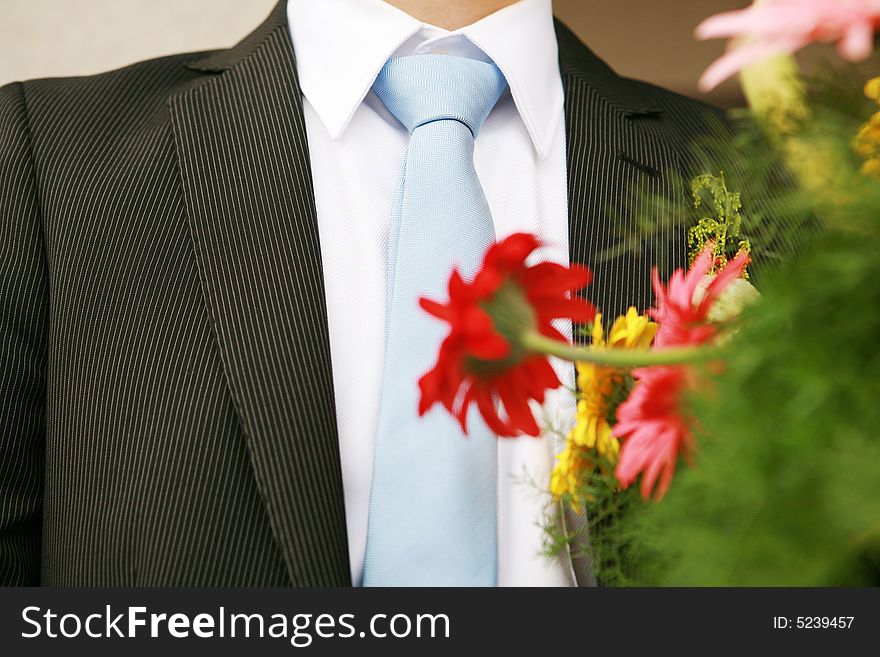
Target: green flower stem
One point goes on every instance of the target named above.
(624, 358)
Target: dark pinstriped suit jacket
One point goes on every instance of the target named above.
(166, 401)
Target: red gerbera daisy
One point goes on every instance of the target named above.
(482, 360)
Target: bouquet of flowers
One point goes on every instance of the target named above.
(770, 400)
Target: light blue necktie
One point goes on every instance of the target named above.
(432, 507)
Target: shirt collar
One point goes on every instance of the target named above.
(341, 45)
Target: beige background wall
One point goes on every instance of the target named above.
(648, 39)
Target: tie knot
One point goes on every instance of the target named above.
(423, 88)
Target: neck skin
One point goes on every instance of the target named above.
(450, 14)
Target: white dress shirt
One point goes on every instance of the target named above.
(356, 149)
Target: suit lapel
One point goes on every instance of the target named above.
(615, 149)
(244, 162)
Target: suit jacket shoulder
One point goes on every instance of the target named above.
(88, 112)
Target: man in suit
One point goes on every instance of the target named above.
(194, 268)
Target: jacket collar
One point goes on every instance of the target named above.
(577, 61)
(223, 60)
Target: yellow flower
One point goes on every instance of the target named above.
(867, 141)
(630, 331)
(872, 89)
(571, 463)
(598, 384)
(600, 388)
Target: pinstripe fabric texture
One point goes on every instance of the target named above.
(166, 401)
